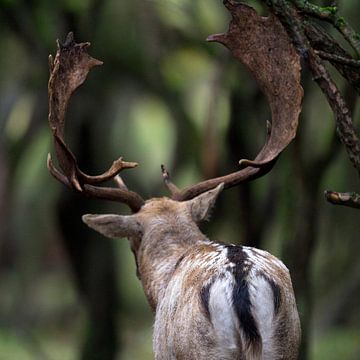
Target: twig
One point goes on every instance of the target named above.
(350, 199)
(329, 14)
(337, 58)
(321, 40)
(322, 12)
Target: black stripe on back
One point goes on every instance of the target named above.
(181, 258)
(205, 297)
(276, 293)
(241, 296)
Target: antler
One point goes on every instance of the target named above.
(264, 47)
(68, 71)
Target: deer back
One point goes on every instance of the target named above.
(211, 301)
(227, 302)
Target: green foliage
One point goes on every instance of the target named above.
(342, 343)
(340, 22)
(332, 9)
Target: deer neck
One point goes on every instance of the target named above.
(162, 245)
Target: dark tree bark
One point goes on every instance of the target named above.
(255, 216)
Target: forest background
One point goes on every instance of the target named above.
(163, 95)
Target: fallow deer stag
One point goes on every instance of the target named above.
(211, 300)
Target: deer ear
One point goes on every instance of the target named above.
(114, 226)
(200, 207)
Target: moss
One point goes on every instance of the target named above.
(331, 9)
(340, 22)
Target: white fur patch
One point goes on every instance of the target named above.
(222, 313)
(262, 300)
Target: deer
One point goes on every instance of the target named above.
(211, 300)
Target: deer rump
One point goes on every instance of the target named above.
(227, 302)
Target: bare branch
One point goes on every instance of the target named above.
(339, 59)
(292, 21)
(329, 14)
(294, 24)
(349, 199)
(321, 40)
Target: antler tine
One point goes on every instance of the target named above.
(264, 47)
(174, 190)
(68, 71)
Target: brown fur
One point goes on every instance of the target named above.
(176, 263)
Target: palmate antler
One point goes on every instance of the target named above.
(260, 43)
(263, 46)
(68, 71)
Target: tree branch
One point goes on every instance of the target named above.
(293, 23)
(337, 58)
(329, 14)
(349, 199)
(321, 40)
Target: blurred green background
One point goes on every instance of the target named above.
(163, 95)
